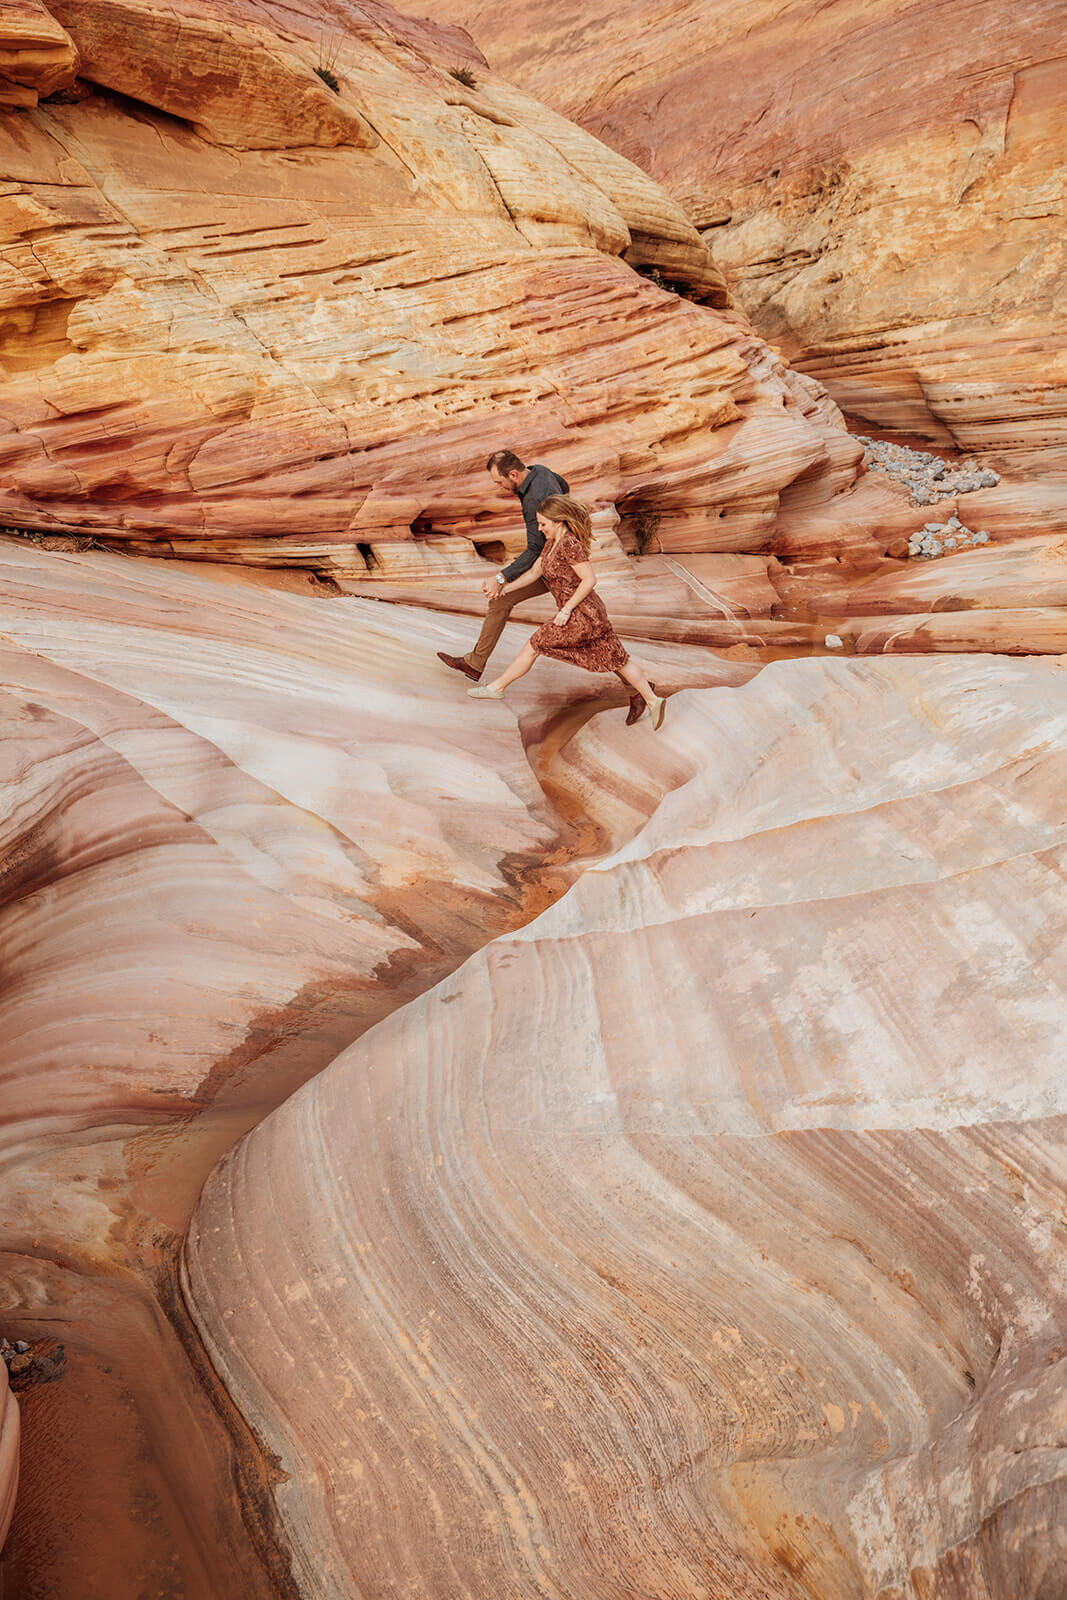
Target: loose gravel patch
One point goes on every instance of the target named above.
(928, 477)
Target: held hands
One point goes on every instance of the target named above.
(490, 587)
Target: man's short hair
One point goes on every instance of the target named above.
(505, 461)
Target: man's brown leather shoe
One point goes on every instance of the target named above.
(459, 665)
(637, 707)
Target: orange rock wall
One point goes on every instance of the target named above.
(37, 56)
(882, 184)
(249, 317)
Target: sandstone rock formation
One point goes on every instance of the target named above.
(697, 1239)
(297, 807)
(240, 826)
(248, 316)
(253, 319)
(37, 56)
(883, 187)
(9, 1452)
(696, 1235)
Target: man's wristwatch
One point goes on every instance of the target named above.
(500, 578)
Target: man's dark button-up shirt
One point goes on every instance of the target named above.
(538, 484)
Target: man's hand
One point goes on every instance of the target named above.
(490, 587)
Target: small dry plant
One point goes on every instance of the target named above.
(329, 50)
(645, 527)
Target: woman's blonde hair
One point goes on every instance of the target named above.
(573, 515)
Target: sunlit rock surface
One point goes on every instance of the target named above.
(248, 316)
(883, 187)
(37, 56)
(700, 1237)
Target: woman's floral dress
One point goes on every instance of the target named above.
(588, 639)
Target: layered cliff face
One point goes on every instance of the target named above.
(699, 1238)
(250, 317)
(883, 185)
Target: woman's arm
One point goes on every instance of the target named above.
(583, 571)
(524, 581)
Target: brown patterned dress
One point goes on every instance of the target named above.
(588, 639)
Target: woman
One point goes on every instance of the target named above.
(580, 631)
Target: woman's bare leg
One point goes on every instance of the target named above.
(518, 669)
(633, 674)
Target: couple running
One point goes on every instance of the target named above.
(555, 561)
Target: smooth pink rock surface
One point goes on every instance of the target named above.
(679, 1215)
(697, 1238)
(240, 825)
(244, 829)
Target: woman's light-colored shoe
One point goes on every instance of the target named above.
(657, 708)
(486, 694)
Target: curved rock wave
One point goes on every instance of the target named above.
(275, 850)
(697, 1237)
(240, 826)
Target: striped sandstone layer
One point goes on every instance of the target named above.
(700, 1238)
(240, 826)
(249, 319)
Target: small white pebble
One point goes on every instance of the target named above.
(834, 642)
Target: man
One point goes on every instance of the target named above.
(532, 485)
